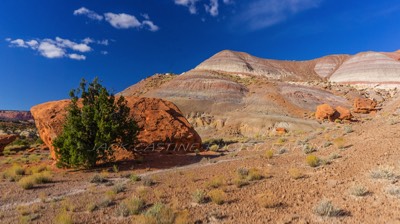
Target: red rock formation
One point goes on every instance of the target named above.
(364, 106)
(281, 131)
(14, 115)
(344, 113)
(5, 140)
(325, 111)
(160, 121)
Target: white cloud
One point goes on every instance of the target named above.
(58, 47)
(32, 43)
(212, 8)
(122, 20)
(18, 43)
(78, 57)
(82, 47)
(264, 13)
(89, 13)
(150, 25)
(87, 40)
(104, 52)
(50, 50)
(228, 2)
(119, 21)
(190, 4)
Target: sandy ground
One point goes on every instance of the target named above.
(372, 145)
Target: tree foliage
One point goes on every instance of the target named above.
(95, 121)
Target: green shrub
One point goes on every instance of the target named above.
(91, 129)
(161, 213)
(217, 196)
(312, 160)
(199, 196)
(326, 208)
(131, 206)
(134, 178)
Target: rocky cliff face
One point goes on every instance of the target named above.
(160, 122)
(236, 94)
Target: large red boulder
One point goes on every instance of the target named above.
(344, 113)
(160, 121)
(325, 111)
(6, 140)
(364, 105)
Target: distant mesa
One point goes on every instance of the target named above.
(14, 115)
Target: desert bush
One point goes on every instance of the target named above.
(13, 173)
(68, 206)
(269, 154)
(91, 207)
(217, 196)
(242, 172)
(327, 144)
(115, 168)
(199, 196)
(268, 200)
(42, 178)
(64, 218)
(118, 188)
(295, 173)
(358, 190)
(214, 147)
(307, 149)
(280, 141)
(216, 182)
(37, 169)
(340, 142)
(147, 181)
(312, 160)
(334, 156)
(382, 172)
(26, 183)
(161, 213)
(394, 191)
(182, 217)
(134, 178)
(105, 201)
(240, 182)
(90, 130)
(131, 206)
(326, 208)
(254, 174)
(348, 129)
(98, 179)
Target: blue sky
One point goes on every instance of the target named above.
(47, 46)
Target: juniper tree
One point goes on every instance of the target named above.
(95, 121)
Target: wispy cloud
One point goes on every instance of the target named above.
(190, 4)
(58, 47)
(89, 13)
(119, 20)
(212, 8)
(260, 14)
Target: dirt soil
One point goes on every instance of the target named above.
(357, 149)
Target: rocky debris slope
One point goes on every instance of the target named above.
(6, 140)
(14, 115)
(160, 122)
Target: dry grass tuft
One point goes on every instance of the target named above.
(312, 160)
(268, 200)
(217, 196)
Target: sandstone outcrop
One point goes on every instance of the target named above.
(344, 113)
(160, 122)
(364, 105)
(6, 140)
(325, 111)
